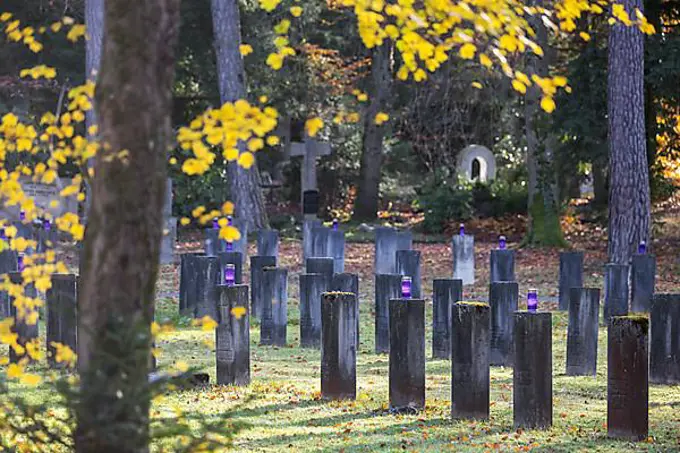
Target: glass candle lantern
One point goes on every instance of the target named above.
(642, 247)
(229, 274)
(502, 243)
(335, 225)
(216, 224)
(47, 224)
(230, 246)
(405, 287)
(22, 215)
(461, 229)
(3, 235)
(532, 300)
(20, 263)
(230, 221)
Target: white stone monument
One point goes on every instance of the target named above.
(476, 162)
(309, 149)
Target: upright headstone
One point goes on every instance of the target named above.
(463, 251)
(268, 243)
(407, 355)
(502, 263)
(615, 290)
(504, 301)
(470, 348)
(26, 326)
(627, 378)
(446, 292)
(320, 265)
(336, 250)
(241, 245)
(312, 286)
(408, 264)
(387, 287)
(308, 238)
(664, 367)
(275, 308)
(309, 149)
(235, 259)
(348, 283)
(169, 228)
(643, 274)
(387, 242)
(338, 349)
(187, 283)
(61, 315)
(532, 377)
(257, 264)
(207, 278)
(571, 276)
(584, 313)
(320, 242)
(232, 336)
(8, 263)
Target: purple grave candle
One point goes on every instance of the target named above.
(230, 246)
(532, 300)
(3, 235)
(20, 263)
(46, 224)
(230, 221)
(22, 215)
(216, 224)
(335, 225)
(642, 248)
(405, 287)
(229, 274)
(461, 229)
(502, 243)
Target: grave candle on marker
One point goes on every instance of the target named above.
(216, 224)
(22, 215)
(532, 300)
(230, 221)
(20, 263)
(47, 225)
(405, 287)
(461, 229)
(335, 224)
(229, 274)
(230, 246)
(502, 243)
(642, 247)
(3, 235)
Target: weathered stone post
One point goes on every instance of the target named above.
(348, 283)
(235, 258)
(408, 263)
(187, 283)
(615, 290)
(338, 348)
(470, 353)
(532, 377)
(502, 263)
(257, 264)
(268, 243)
(336, 249)
(504, 301)
(275, 307)
(584, 314)
(312, 286)
(25, 328)
(407, 354)
(387, 287)
(8, 263)
(446, 292)
(627, 378)
(463, 251)
(232, 336)
(571, 276)
(62, 326)
(664, 367)
(207, 278)
(320, 265)
(307, 238)
(321, 242)
(643, 274)
(387, 242)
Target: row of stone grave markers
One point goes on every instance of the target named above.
(61, 309)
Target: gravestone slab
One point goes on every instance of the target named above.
(207, 278)
(268, 243)
(308, 225)
(407, 355)
(502, 264)
(273, 326)
(664, 366)
(257, 295)
(387, 242)
(387, 287)
(615, 290)
(187, 283)
(643, 274)
(446, 292)
(234, 258)
(348, 283)
(25, 331)
(504, 301)
(571, 276)
(312, 287)
(338, 348)
(232, 336)
(584, 313)
(463, 251)
(408, 264)
(62, 323)
(8, 264)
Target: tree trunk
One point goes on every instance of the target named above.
(123, 237)
(244, 185)
(94, 22)
(629, 203)
(544, 201)
(366, 205)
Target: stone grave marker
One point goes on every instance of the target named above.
(446, 292)
(338, 348)
(571, 276)
(582, 331)
(387, 242)
(309, 149)
(463, 251)
(61, 304)
(664, 366)
(643, 274)
(232, 336)
(387, 287)
(407, 355)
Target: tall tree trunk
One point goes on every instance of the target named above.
(244, 185)
(629, 202)
(122, 241)
(544, 201)
(366, 205)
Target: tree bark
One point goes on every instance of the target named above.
(629, 201)
(94, 22)
(122, 241)
(244, 185)
(544, 201)
(366, 205)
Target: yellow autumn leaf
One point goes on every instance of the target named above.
(184, 221)
(245, 49)
(313, 126)
(548, 104)
(246, 160)
(238, 312)
(519, 86)
(296, 11)
(467, 51)
(228, 208)
(476, 85)
(381, 118)
(273, 140)
(275, 61)
(182, 366)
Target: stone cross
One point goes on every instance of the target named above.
(309, 149)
